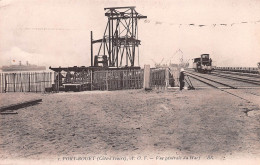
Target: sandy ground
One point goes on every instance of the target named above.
(202, 123)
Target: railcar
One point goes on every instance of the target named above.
(254, 70)
(202, 64)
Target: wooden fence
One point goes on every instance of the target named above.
(98, 80)
(158, 78)
(25, 82)
(117, 79)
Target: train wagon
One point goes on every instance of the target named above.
(203, 64)
(254, 70)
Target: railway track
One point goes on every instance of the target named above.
(254, 81)
(231, 80)
(225, 83)
(208, 81)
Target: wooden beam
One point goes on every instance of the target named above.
(125, 7)
(20, 105)
(8, 113)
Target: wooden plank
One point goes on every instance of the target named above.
(6, 77)
(29, 82)
(20, 105)
(50, 79)
(8, 113)
(135, 83)
(21, 81)
(123, 76)
(14, 75)
(5, 83)
(36, 81)
(106, 80)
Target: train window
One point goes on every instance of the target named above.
(204, 56)
(196, 59)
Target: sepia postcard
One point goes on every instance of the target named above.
(129, 82)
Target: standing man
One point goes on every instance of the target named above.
(181, 79)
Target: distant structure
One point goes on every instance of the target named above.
(181, 64)
(21, 67)
(120, 42)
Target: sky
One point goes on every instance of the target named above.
(57, 32)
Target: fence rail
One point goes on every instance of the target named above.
(25, 82)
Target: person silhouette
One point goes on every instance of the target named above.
(181, 78)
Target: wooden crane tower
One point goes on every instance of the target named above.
(118, 46)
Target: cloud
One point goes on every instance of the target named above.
(15, 54)
(4, 3)
(23, 37)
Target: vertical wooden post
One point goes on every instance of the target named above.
(111, 80)
(91, 47)
(14, 81)
(21, 82)
(127, 79)
(40, 81)
(106, 80)
(29, 82)
(36, 81)
(58, 82)
(130, 79)
(5, 83)
(91, 80)
(102, 83)
(50, 79)
(123, 79)
(167, 78)
(138, 79)
(147, 77)
(43, 81)
(135, 79)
